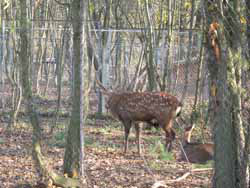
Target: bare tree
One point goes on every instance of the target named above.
(73, 156)
(39, 159)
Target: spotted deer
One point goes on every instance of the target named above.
(133, 107)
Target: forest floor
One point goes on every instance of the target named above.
(106, 165)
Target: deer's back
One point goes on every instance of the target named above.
(141, 106)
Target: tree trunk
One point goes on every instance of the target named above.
(198, 88)
(190, 43)
(248, 26)
(167, 64)
(225, 68)
(150, 44)
(72, 163)
(39, 159)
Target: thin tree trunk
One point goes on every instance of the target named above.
(41, 48)
(60, 70)
(248, 71)
(150, 44)
(168, 51)
(190, 43)
(13, 74)
(72, 157)
(39, 159)
(248, 28)
(199, 69)
(84, 89)
(2, 56)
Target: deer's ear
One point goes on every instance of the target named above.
(178, 111)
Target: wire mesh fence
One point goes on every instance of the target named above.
(128, 53)
(123, 54)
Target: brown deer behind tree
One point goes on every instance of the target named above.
(195, 152)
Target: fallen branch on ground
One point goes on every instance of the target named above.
(185, 175)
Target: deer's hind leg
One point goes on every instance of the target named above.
(138, 137)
